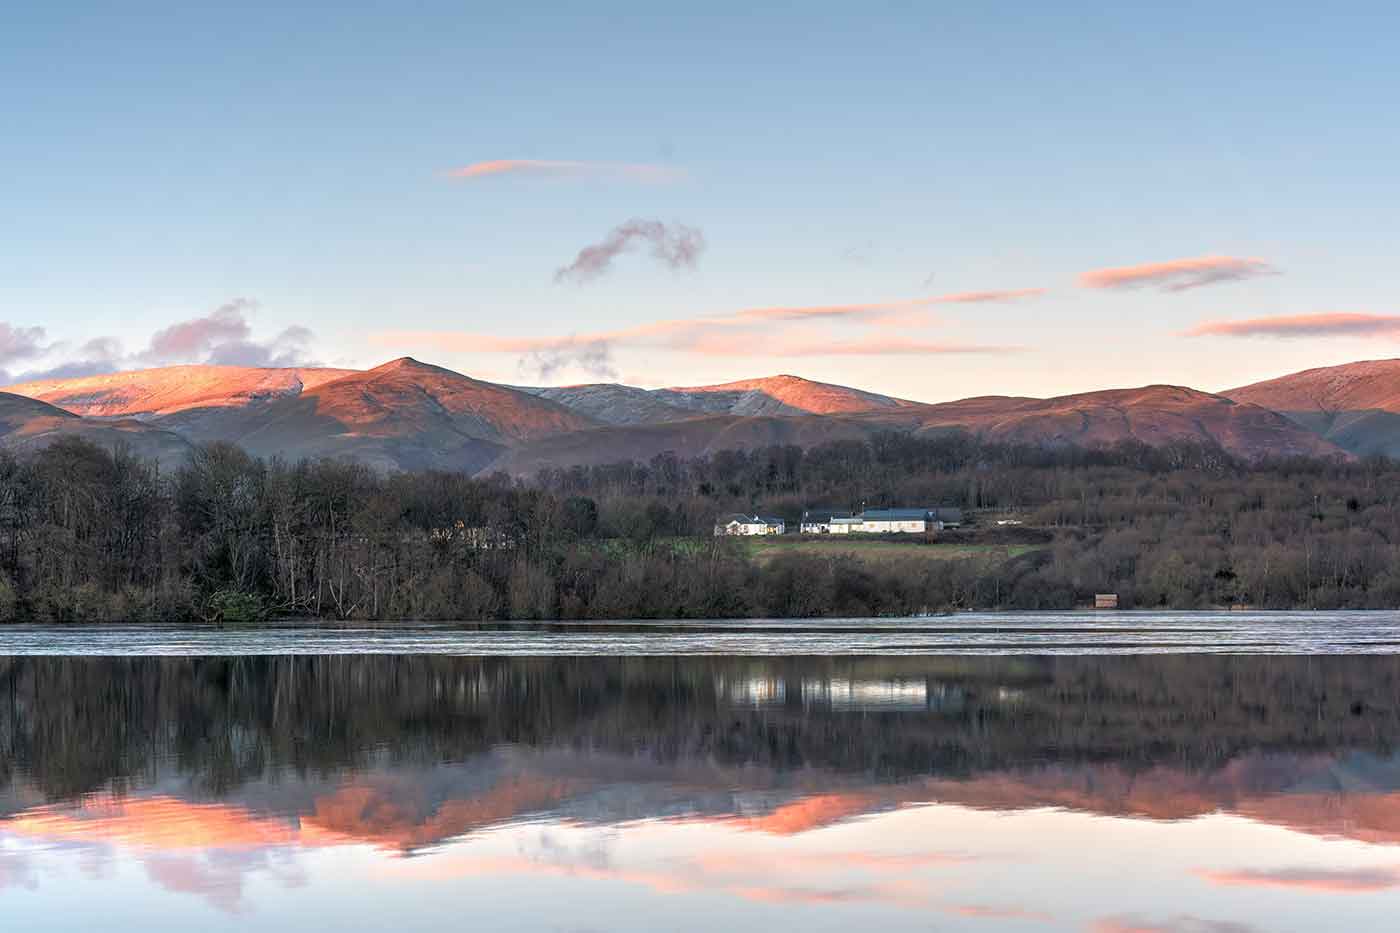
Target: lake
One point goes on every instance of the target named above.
(1233, 773)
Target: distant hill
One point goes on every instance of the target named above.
(1355, 406)
(146, 392)
(1153, 415)
(610, 403)
(402, 415)
(411, 415)
(775, 396)
(778, 395)
(29, 424)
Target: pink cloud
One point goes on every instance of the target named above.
(1329, 324)
(1178, 275)
(987, 912)
(737, 345)
(747, 332)
(556, 168)
(1322, 880)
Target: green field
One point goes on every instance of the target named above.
(876, 550)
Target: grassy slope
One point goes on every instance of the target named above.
(877, 550)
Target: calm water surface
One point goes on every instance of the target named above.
(1215, 793)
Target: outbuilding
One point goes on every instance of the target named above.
(824, 522)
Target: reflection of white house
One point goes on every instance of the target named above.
(749, 525)
(755, 690)
(873, 694)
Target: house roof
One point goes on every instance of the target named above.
(896, 515)
(749, 519)
(823, 515)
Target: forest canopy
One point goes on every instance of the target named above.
(88, 534)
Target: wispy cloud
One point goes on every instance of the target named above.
(766, 331)
(592, 357)
(673, 245)
(1329, 324)
(560, 168)
(730, 345)
(1322, 880)
(1178, 275)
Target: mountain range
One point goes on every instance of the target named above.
(411, 415)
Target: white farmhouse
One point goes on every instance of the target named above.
(749, 525)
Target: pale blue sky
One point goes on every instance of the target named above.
(159, 161)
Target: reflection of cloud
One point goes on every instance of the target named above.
(218, 875)
(989, 912)
(1181, 923)
(1327, 880)
(559, 168)
(1332, 324)
(1178, 275)
(796, 878)
(16, 870)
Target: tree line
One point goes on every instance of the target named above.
(88, 534)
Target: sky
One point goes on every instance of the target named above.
(928, 200)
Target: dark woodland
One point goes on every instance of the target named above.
(92, 535)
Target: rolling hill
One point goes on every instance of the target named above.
(778, 395)
(1355, 406)
(1153, 415)
(773, 396)
(28, 424)
(402, 415)
(411, 415)
(150, 392)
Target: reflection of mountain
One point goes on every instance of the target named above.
(405, 753)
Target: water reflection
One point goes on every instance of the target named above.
(674, 793)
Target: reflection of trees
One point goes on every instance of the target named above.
(74, 725)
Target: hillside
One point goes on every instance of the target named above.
(410, 415)
(778, 395)
(29, 424)
(403, 415)
(1151, 414)
(773, 396)
(614, 404)
(169, 389)
(1355, 406)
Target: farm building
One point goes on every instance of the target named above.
(947, 517)
(749, 525)
(880, 521)
(826, 521)
(895, 521)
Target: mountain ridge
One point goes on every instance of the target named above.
(407, 414)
